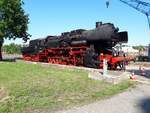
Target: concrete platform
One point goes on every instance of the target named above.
(112, 77)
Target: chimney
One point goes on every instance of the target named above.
(98, 24)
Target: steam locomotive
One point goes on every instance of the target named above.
(80, 47)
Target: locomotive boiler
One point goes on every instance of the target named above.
(79, 47)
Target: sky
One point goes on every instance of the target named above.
(52, 17)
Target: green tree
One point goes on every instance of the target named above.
(13, 21)
(139, 48)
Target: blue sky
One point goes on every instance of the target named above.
(52, 17)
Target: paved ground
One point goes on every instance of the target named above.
(146, 70)
(135, 100)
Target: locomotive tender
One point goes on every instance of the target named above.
(80, 47)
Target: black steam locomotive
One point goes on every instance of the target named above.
(55, 49)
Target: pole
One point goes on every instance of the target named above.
(1, 43)
(104, 67)
(148, 20)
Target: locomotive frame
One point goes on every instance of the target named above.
(74, 56)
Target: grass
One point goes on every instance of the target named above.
(31, 87)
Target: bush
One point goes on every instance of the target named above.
(12, 48)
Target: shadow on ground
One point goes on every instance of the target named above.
(146, 73)
(145, 105)
(9, 60)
